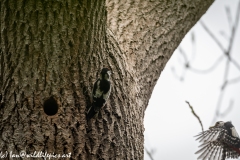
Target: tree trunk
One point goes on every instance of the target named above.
(51, 53)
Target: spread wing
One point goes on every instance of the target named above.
(217, 144)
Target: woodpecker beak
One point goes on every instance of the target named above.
(211, 127)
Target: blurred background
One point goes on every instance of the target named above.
(205, 71)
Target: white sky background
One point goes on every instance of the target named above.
(169, 123)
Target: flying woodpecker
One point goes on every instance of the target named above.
(221, 141)
(100, 93)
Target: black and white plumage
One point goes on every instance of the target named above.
(100, 93)
(221, 141)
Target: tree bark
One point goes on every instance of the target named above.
(51, 53)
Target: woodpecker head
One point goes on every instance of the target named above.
(105, 73)
(227, 126)
(218, 124)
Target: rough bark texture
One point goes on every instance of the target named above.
(148, 32)
(50, 55)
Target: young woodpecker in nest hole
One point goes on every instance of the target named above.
(100, 93)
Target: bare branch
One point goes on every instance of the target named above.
(224, 35)
(234, 80)
(149, 153)
(215, 64)
(180, 78)
(235, 63)
(213, 36)
(220, 98)
(193, 112)
(231, 81)
(228, 54)
(193, 45)
(231, 103)
(229, 17)
(225, 75)
(234, 28)
(183, 53)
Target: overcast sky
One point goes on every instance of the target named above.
(169, 123)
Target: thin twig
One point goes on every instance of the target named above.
(224, 35)
(234, 80)
(193, 112)
(228, 54)
(235, 63)
(228, 109)
(176, 75)
(229, 16)
(227, 67)
(231, 81)
(183, 54)
(193, 46)
(234, 28)
(213, 36)
(220, 98)
(210, 69)
(149, 153)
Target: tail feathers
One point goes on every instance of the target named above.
(91, 113)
